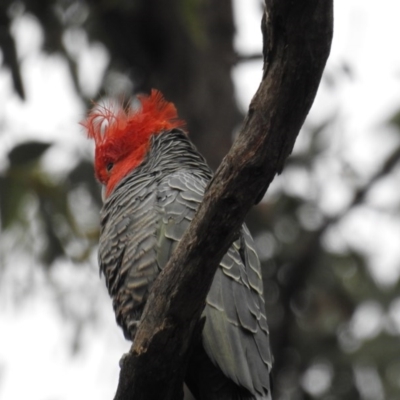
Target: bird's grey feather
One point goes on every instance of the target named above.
(142, 222)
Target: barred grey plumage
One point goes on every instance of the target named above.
(141, 222)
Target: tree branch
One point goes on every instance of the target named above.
(306, 260)
(297, 37)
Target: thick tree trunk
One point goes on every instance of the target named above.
(297, 38)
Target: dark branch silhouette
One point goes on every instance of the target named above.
(297, 38)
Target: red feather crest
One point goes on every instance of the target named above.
(122, 136)
(155, 115)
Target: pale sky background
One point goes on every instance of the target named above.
(35, 359)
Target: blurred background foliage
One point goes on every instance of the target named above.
(334, 324)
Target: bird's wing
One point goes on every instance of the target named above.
(127, 249)
(235, 335)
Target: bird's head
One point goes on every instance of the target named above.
(122, 137)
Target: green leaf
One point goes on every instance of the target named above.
(11, 196)
(395, 120)
(27, 152)
(52, 206)
(83, 173)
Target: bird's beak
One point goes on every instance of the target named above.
(103, 193)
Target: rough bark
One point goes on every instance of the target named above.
(297, 38)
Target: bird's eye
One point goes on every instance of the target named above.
(109, 167)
